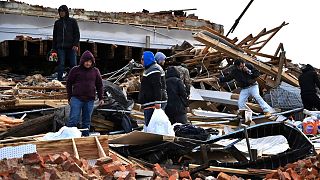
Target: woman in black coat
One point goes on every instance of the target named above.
(177, 97)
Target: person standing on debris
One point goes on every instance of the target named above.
(308, 81)
(82, 83)
(245, 75)
(152, 90)
(185, 76)
(160, 59)
(176, 108)
(66, 38)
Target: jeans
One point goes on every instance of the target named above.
(253, 91)
(64, 54)
(76, 107)
(147, 115)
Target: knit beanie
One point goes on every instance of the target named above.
(160, 57)
(148, 58)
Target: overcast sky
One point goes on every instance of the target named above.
(300, 37)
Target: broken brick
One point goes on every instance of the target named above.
(59, 159)
(54, 173)
(114, 166)
(46, 176)
(184, 174)
(160, 171)
(20, 174)
(66, 165)
(104, 160)
(33, 158)
(294, 175)
(223, 176)
(36, 170)
(76, 168)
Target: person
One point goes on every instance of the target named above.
(160, 58)
(185, 76)
(245, 75)
(177, 104)
(308, 82)
(82, 83)
(66, 38)
(152, 87)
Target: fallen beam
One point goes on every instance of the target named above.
(237, 54)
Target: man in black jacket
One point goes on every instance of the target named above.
(66, 38)
(308, 81)
(153, 88)
(245, 75)
(176, 108)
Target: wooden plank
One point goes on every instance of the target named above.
(237, 54)
(282, 59)
(75, 150)
(101, 152)
(236, 171)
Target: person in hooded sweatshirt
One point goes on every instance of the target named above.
(308, 82)
(66, 38)
(82, 84)
(177, 104)
(152, 89)
(160, 59)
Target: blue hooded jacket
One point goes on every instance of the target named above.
(148, 58)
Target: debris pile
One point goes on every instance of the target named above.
(65, 166)
(8, 122)
(303, 169)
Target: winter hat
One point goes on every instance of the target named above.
(86, 56)
(148, 58)
(160, 57)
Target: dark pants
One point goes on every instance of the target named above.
(311, 101)
(64, 54)
(147, 115)
(179, 118)
(76, 107)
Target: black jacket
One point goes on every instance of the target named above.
(308, 80)
(177, 94)
(65, 33)
(243, 79)
(153, 88)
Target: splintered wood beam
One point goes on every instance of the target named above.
(237, 54)
(75, 150)
(282, 59)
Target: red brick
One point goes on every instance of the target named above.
(160, 171)
(292, 165)
(274, 175)
(114, 157)
(304, 172)
(46, 176)
(54, 173)
(33, 158)
(75, 168)
(310, 177)
(84, 164)
(313, 171)
(66, 165)
(301, 164)
(36, 170)
(20, 174)
(234, 178)
(308, 163)
(59, 159)
(66, 154)
(48, 159)
(173, 174)
(112, 167)
(223, 176)
(105, 160)
(294, 175)
(184, 174)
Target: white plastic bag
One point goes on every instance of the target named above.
(160, 124)
(63, 133)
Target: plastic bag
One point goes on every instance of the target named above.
(63, 133)
(160, 124)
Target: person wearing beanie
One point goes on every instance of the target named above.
(160, 58)
(66, 37)
(153, 88)
(82, 83)
(308, 82)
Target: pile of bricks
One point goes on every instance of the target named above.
(303, 169)
(65, 166)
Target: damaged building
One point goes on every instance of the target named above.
(218, 140)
